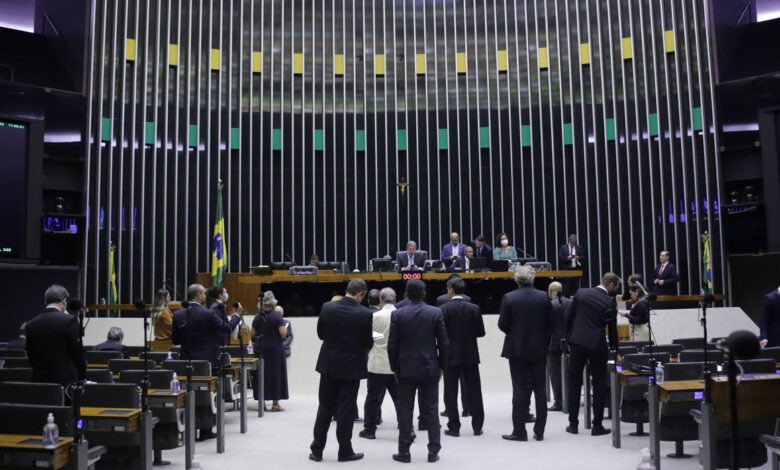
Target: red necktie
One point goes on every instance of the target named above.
(661, 271)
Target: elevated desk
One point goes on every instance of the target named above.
(21, 450)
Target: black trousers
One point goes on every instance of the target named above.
(597, 360)
(377, 384)
(470, 375)
(337, 398)
(428, 388)
(527, 377)
(554, 370)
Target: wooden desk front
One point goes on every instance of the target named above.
(110, 419)
(22, 450)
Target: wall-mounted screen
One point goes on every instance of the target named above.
(13, 186)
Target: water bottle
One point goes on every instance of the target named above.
(659, 373)
(170, 357)
(370, 266)
(175, 385)
(647, 462)
(51, 433)
(250, 348)
(196, 462)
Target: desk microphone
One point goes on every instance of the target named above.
(289, 258)
(708, 299)
(140, 305)
(74, 306)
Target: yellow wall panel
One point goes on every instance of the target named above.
(130, 49)
(338, 64)
(502, 60)
(257, 62)
(628, 48)
(379, 64)
(585, 53)
(544, 58)
(420, 64)
(461, 65)
(669, 43)
(216, 59)
(298, 64)
(173, 55)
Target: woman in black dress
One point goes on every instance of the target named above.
(639, 315)
(268, 330)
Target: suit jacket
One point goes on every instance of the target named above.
(770, 319)
(563, 254)
(109, 346)
(418, 346)
(460, 263)
(221, 310)
(53, 348)
(560, 310)
(590, 311)
(403, 259)
(200, 335)
(444, 298)
(640, 313)
(464, 325)
(344, 326)
(446, 253)
(669, 277)
(485, 252)
(526, 318)
(402, 303)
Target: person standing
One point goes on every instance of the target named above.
(452, 250)
(270, 326)
(571, 256)
(464, 324)
(560, 309)
(482, 249)
(344, 326)
(162, 317)
(53, 347)
(591, 310)
(770, 320)
(526, 319)
(665, 276)
(418, 349)
(639, 315)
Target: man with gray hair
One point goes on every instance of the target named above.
(411, 259)
(113, 341)
(380, 376)
(53, 346)
(526, 319)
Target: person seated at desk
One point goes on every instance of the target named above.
(503, 249)
(665, 276)
(411, 259)
(452, 250)
(464, 262)
(482, 249)
(314, 260)
(20, 342)
(113, 340)
(639, 315)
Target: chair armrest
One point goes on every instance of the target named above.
(771, 442)
(94, 453)
(696, 414)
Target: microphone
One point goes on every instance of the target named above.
(140, 305)
(652, 297)
(741, 344)
(644, 291)
(289, 258)
(236, 305)
(74, 305)
(708, 299)
(185, 304)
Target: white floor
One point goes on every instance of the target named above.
(281, 440)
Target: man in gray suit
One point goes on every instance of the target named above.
(411, 259)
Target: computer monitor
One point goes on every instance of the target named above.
(499, 265)
(479, 264)
(383, 264)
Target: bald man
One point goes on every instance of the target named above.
(452, 250)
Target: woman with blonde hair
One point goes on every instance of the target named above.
(162, 317)
(269, 330)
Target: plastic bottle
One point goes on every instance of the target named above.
(659, 373)
(647, 462)
(196, 462)
(170, 356)
(370, 266)
(250, 349)
(175, 384)
(51, 433)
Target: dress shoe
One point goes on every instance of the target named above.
(443, 413)
(466, 414)
(515, 437)
(358, 419)
(478, 432)
(530, 418)
(452, 433)
(538, 437)
(599, 431)
(206, 435)
(432, 457)
(413, 436)
(366, 434)
(315, 457)
(403, 458)
(557, 406)
(572, 429)
(350, 458)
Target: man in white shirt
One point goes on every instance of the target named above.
(380, 376)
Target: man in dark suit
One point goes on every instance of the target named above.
(418, 349)
(452, 250)
(464, 325)
(571, 256)
(344, 326)
(53, 346)
(463, 263)
(560, 308)
(482, 249)
(411, 259)
(590, 311)
(770, 320)
(665, 276)
(525, 316)
(113, 341)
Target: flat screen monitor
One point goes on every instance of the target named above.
(499, 265)
(13, 187)
(382, 264)
(478, 264)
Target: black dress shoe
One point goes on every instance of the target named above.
(432, 457)
(556, 407)
(412, 436)
(530, 418)
(538, 437)
(452, 433)
(466, 414)
(599, 431)
(572, 429)
(515, 437)
(358, 419)
(443, 413)
(350, 458)
(206, 435)
(315, 457)
(403, 458)
(478, 432)
(366, 434)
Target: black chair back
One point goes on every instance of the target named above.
(690, 343)
(674, 371)
(199, 368)
(15, 362)
(636, 344)
(758, 366)
(673, 349)
(111, 396)
(12, 352)
(627, 349)
(101, 357)
(30, 419)
(133, 351)
(158, 378)
(176, 349)
(641, 359)
(713, 356)
(18, 374)
(159, 357)
(27, 393)
(100, 376)
(118, 365)
(235, 351)
(770, 353)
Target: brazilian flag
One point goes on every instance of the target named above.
(706, 265)
(113, 294)
(218, 246)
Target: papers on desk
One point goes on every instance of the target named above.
(377, 336)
